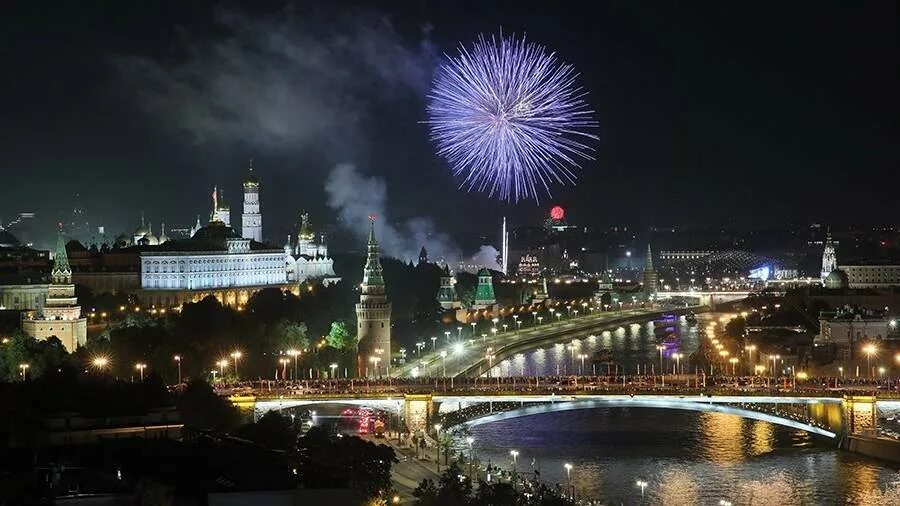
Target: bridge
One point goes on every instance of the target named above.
(834, 414)
(474, 356)
(710, 298)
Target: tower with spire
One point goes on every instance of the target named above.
(829, 257)
(221, 209)
(373, 314)
(61, 315)
(651, 280)
(484, 292)
(251, 218)
(447, 292)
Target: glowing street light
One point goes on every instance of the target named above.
(437, 430)
(734, 362)
(333, 367)
(515, 456)
(870, 349)
(433, 343)
(469, 441)
(140, 367)
(236, 355)
(222, 364)
(643, 484)
(294, 353)
(178, 361)
(568, 477)
(24, 368)
(100, 362)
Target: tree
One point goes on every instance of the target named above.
(41, 356)
(201, 408)
(339, 336)
(328, 461)
(286, 335)
(273, 430)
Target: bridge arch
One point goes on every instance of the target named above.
(638, 402)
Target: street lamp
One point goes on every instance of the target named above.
(444, 361)
(643, 485)
(333, 367)
(178, 361)
(469, 441)
(24, 369)
(734, 362)
(433, 343)
(515, 456)
(869, 350)
(236, 355)
(222, 363)
(100, 362)
(437, 430)
(660, 348)
(294, 353)
(568, 478)
(750, 349)
(140, 367)
(677, 357)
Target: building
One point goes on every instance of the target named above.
(373, 314)
(529, 266)
(215, 261)
(221, 209)
(541, 294)
(849, 326)
(61, 314)
(871, 275)
(251, 218)
(308, 259)
(447, 291)
(484, 292)
(829, 257)
(423, 256)
(651, 280)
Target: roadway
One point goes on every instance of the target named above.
(468, 356)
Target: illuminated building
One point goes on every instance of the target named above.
(650, 278)
(61, 314)
(373, 312)
(251, 219)
(871, 275)
(829, 257)
(529, 266)
(447, 291)
(541, 294)
(484, 292)
(307, 259)
(221, 209)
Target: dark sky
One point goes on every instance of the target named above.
(710, 112)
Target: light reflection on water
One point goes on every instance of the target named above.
(612, 447)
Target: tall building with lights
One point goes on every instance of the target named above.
(373, 314)
(251, 219)
(447, 292)
(829, 257)
(651, 280)
(61, 314)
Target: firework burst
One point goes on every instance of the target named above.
(509, 118)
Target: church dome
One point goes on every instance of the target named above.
(837, 280)
(8, 240)
(141, 231)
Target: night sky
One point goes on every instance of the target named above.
(757, 113)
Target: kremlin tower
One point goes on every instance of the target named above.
(251, 219)
(61, 315)
(373, 314)
(651, 280)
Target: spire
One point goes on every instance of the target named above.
(251, 180)
(62, 272)
(649, 258)
(142, 218)
(372, 275)
(215, 204)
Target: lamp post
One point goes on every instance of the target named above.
(294, 353)
(677, 357)
(284, 362)
(660, 348)
(734, 362)
(869, 350)
(774, 359)
(24, 368)
(140, 367)
(178, 361)
(333, 367)
(469, 441)
(750, 349)
(236, 355)
(447, 336)
(582, 356)
(444, 361)
(100, 363)
(643, 485)
(568, 478)
(433, 344)
(515, 456)
(437, 430)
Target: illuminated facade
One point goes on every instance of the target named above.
(373, 314)
(447, 291)
(829, 257)
(61, 314)
(484, 292)
(529, 266)
(308, 259)
(251, 218)
(872, 276)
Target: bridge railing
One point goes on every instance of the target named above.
(568, 385)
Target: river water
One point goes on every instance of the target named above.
(712, 456)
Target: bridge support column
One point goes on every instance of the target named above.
(860, 414)
(417, 410)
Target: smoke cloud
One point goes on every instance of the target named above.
(293, 80)
(354, 197)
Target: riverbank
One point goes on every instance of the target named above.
(881, 448)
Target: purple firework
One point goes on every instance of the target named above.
(509, 118)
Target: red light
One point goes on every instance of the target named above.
(557, 213)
